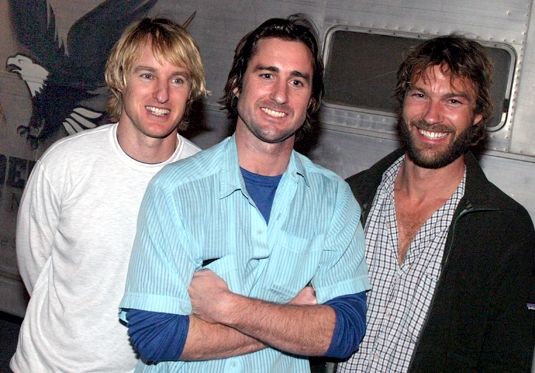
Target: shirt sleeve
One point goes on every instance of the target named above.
(161, 264)
(342, 269)
(157, 336)
(350, 324)
(37, 223)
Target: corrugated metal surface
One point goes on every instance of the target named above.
(351, 139)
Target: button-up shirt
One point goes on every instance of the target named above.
(402, 294)
(200, 210)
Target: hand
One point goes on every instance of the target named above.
(306, 297)
(207, 292)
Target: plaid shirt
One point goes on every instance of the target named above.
(401, 294)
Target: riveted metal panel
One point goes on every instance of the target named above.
(492, 23)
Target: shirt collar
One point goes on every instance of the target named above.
(232, 180)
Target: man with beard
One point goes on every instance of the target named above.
(228, 240)
(450, 256)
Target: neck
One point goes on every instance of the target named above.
(146, 149)
(268, 159)
(421, 183)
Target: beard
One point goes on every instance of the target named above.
(438, 159)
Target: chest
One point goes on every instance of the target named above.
(410, 217)
(251, 254)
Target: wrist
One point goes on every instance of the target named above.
(230, 308)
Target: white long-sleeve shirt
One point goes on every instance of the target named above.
(75, 229)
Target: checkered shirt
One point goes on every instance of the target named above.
(401, 294)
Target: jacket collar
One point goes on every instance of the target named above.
(476, 188)
(477, 184)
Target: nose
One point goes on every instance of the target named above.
(280, 92)
(433, 112)
(161, 92)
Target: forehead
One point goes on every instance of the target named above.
(440, 77)
(148, 54)
(290, 54)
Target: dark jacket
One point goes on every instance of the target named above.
(478, 320)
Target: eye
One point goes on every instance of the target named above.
(297, 83)
(417, 94)
(178, 80)
(454, 101)
(266, 75)
(148, 76)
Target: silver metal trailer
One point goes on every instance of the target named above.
(353, 134)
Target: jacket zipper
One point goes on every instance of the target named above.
(467, 210)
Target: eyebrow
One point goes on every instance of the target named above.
(460, 94)
(295, 73)
(182, 72)
(141, 68)
(463, 94)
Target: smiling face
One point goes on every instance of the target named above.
(155, 97)
(275, 93)
(438, 118)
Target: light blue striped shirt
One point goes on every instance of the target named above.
(199, 209)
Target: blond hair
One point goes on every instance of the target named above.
(169, 41)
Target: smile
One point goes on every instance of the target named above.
(432, 135)
(157, 111)
(273, 113)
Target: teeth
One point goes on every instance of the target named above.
(433, 135)
(273, 113)
(157, 111)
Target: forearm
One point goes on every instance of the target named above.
(157, 336)
(207, 341)
(299, 329)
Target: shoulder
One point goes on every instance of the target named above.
(494, 222)
(497, 200)
(356, 181)
(482, 193)
(69, 162)
(83, 142)
(365, 183)
(325, 186)
(201, 164)
(317, 175)
(188, 148)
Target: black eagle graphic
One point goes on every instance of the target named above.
(66, 83)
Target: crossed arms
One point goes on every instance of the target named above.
(225, 324)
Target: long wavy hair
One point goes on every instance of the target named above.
(463, 58)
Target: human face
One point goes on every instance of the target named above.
(438, 119)
(155, 96)
(276, 91)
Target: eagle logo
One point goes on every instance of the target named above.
(66, 82)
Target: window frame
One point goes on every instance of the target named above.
(507, 80)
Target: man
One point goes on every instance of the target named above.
(450, 255)
(77, 217)
(262, 221)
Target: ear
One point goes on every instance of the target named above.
(477, 120)
(236, 92)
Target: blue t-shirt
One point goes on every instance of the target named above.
(261, 189)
